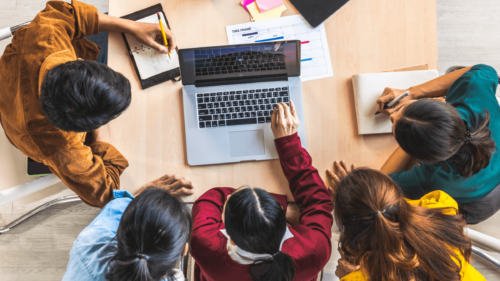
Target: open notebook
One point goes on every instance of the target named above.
(369, 87)
(151, 66)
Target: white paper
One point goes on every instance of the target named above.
(369, 87)
(151, 62)
(315, 56)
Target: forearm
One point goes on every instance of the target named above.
(114, 24)
(398, 161)
(437, 87)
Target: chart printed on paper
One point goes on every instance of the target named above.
(150, 61)
(315, 55)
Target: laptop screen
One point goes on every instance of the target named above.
(268, 59)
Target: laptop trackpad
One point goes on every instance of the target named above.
(247, 143)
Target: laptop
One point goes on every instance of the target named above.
(229, 94)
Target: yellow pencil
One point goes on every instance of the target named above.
(163, 33)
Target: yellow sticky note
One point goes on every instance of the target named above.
(269, 14)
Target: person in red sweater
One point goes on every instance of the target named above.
(243, 235)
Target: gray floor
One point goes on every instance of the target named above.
(39, 248)
(468, 33)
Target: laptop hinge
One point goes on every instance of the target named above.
(241, 80)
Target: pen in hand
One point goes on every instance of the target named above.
(163, 33)
(394, 101)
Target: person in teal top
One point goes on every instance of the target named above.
(449, 144)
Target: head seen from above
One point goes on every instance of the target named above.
(151, 238)
(432, 130)
(83, 95)
(391, 239)
(256, 223)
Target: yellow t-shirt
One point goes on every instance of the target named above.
(435, 199)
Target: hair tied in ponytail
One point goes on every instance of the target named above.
(465, 149)
(143, 257)
(468, 137)
(260, 267)
(369, 224)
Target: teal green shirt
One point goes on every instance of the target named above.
(471, 94)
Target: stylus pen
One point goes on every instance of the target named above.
(394, 101)
(163, 33)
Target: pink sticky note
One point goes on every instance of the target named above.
(247, 2)
(265, 5)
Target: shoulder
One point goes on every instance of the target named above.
(89, 261)
(468, 272)
(480, 81)
(308, 248)
(104, 226)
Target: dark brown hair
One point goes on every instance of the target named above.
(432, 130)
(393, 240)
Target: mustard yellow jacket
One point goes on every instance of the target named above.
(55, 36)
(435, 199)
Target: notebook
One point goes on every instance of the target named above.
(317, 11)
(151, 66)
(369, 87)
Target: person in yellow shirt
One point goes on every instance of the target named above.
(387, 237)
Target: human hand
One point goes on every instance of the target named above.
(101, 134)
(292, 214)
(389, 95)
(335, 178)
(284, 120)
(147, 33)
(176, 186)
(344, 268)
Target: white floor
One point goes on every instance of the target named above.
(38, 249)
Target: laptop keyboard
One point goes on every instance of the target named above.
(241, 107)
(238, 59)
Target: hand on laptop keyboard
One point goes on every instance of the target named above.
(284, 120)
(244, 107)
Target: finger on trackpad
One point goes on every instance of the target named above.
(247, 143)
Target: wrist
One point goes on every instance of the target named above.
(415, 93)
(128, 26)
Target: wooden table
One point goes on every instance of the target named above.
(364, 36)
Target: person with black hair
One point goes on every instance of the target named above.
(55, 100)
(454, 140)
(141, 238)
(243, 234)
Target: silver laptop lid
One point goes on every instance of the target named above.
(237, 64)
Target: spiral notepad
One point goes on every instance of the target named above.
(151, 66)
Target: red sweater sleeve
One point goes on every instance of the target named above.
(207, 221)
(309, 192)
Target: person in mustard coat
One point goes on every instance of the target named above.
(384, 236)
(53, 92)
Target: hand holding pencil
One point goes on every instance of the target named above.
(147, 34)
